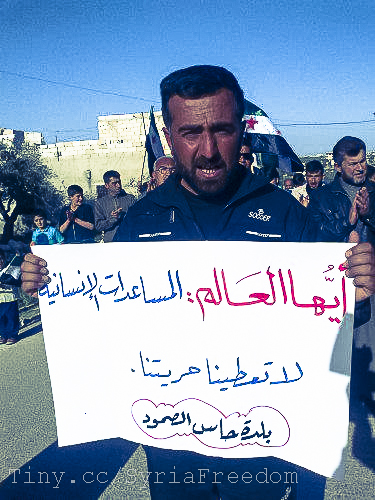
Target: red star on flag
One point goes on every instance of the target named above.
(251, 122)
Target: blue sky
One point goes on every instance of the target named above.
(301, 61)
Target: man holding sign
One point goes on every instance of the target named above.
(211, 197)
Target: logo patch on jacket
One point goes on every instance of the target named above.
(260, 215)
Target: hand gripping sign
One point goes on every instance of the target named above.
(222, 348)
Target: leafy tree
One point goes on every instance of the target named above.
(25, 184)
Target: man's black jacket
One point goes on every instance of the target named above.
(257, 211)
(329, 209)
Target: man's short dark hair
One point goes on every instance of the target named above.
(197, 81)
(74, 189)
(39, 212)
(314, 166)
(350, 146)
(110, 173)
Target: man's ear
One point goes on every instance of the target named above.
(337, 167)
(167, 135)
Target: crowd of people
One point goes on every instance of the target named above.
(78, 222)
(206, 192)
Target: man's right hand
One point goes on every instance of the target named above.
(116, 213)
(69, 215)
(34, 274)
(363, 202)
(360, 206)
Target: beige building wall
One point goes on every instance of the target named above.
(121, 147)
(87, 169)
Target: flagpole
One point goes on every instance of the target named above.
(143, 165)
(144, 155)
(144, 126)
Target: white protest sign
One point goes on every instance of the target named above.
(222, 348)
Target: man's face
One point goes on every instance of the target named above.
(314, 179)
(76, 200)
(39, 221)
(353, 169)
(288, 184)
(246, 157)
(113, 186)
(204, 137)
(163, 169)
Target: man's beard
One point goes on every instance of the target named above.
(206, 186)
(353, 181)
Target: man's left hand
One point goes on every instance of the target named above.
(360, 264)
(363, 202)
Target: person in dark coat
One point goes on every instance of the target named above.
(348, 202)
(76, 221)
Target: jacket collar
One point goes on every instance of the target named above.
(336, 185)
(121, 194)
(250, 185)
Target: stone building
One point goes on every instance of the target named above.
(10, 136)
(121, 147)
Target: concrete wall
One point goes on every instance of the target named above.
(87, 169)
(121, 147)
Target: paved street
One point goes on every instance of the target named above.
(28, 439)
(107, 469)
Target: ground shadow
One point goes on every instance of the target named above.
(30, 331)
(74, 472)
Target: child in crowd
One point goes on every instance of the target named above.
(76, 220)
(9, 315)
(44, 234)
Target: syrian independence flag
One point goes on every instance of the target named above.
(257, 122)
(267, 142)
(153, 143)
(11, 275)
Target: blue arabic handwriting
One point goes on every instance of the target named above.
(235, 381)
(116, 286)
(254, 380)
(160, 299)
(150, 374)
(192, 371)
